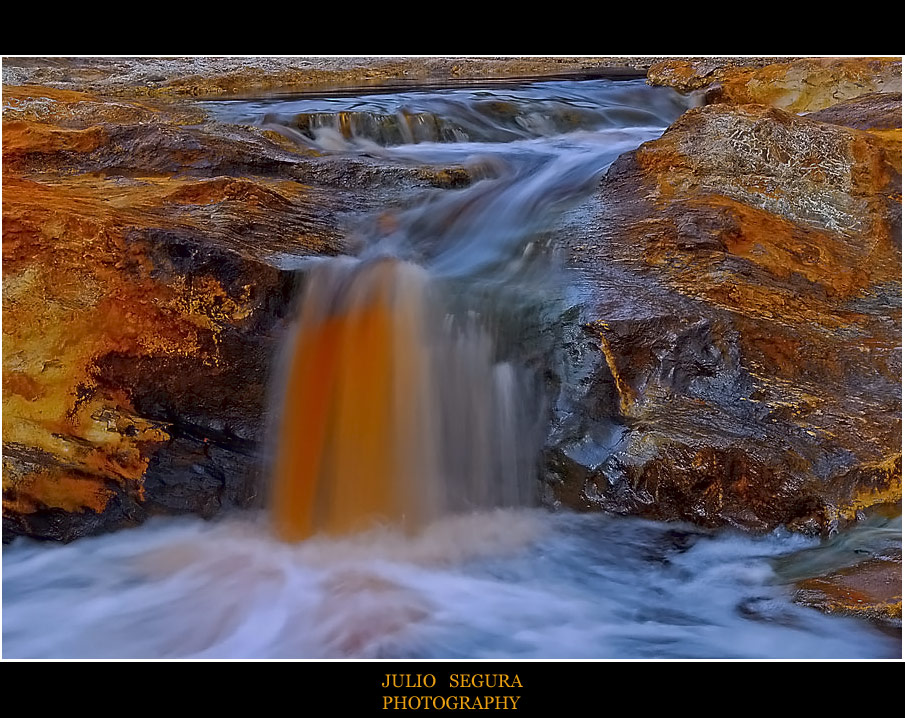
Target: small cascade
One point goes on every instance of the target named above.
(406, 395)
(504, 114)
(392, 410)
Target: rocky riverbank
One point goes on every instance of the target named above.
(744, 272)
(734, 359)
(217, 76)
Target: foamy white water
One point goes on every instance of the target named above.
(504, 584)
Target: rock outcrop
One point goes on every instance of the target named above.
(217, 76)
(802, 85)
(743, 285)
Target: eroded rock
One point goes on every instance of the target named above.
(743, 285)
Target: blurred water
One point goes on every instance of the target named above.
(469, 114)
(508, 583)
(394, 409)
(532, 151)
(404, 393)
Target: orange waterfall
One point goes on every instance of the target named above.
(355, 437)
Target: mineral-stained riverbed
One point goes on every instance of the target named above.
(486, 574)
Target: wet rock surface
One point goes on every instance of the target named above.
(742, 304)
(871, 589)
(149, 270)
(856, 573)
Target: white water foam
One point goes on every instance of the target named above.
(500, 584)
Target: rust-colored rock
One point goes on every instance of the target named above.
(147, 275)
(744, 304)
(870, 589)
(212, 76)
(803, 85)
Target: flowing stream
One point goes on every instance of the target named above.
(408, 419)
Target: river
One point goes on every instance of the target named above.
(403, 517)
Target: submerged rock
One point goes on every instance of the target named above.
(871, 589)
(855, 573)
(743, 285)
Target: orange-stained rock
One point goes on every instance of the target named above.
(870, 589)
(803, 85)
(73, 439)
(147, 276)
(743, 293)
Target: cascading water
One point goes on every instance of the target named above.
(396, 407)
(392, 411)
(404, 460)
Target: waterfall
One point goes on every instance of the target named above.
(400, 400)
(394, 410)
